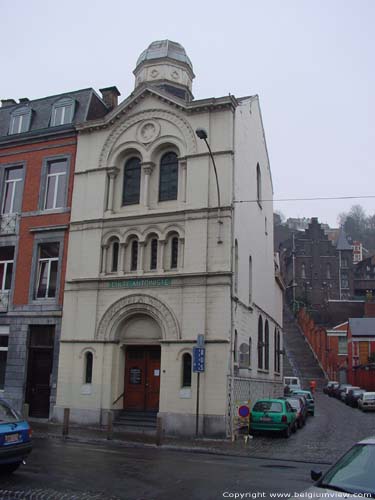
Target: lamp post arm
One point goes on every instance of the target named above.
(217, 179)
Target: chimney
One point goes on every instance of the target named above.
(110, 96)
(7, 102)
(24, 99)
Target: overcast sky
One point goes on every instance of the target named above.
(310, 61)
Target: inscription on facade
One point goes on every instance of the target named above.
(140, 283)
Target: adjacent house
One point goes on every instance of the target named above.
(169, 245)
(38, 144)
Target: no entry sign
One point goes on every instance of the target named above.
(243, 411)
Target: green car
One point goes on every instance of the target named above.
(273, 415)
(309, 399)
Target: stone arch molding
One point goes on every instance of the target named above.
(133, 304)
(153, 114)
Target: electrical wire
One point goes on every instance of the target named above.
(308, 199)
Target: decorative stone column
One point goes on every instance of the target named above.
(122, 257)
(180, 259)
(161, 248)
(182, 163)
(103, 266)
(147, 167)
(141, 253)
(112, 174)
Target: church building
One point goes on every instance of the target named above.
(171, 240)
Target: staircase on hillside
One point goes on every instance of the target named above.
(135, 421)
(299, 359)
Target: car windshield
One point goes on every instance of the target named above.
(268, 406)
(7, 414)
(369, 397)
(294, 403)
(354, 472)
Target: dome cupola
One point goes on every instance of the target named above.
(166, 65)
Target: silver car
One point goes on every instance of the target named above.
(351, 477)
(366, 401)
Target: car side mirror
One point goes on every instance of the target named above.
(315, 475)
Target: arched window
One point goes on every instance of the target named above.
(168, 180)
(259, 185)
(154, 254)
(250, 279)
(235, 347)
(62, 112)
(266, 346)
(88, 367)
(250, 351)
(132, 182)
(114, 256)
(235, 266)
(186, 370)
(303, 271)
(278, 352)
(260, 343)
(328, 271)
(20, 120)
(134, 256)
(174, 252)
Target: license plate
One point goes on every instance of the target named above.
(265, 419)
(12, 438)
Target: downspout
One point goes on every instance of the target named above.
(232, 219)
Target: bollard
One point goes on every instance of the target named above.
(159, 431)
(110, 425)
(65, 431)
(25, 411)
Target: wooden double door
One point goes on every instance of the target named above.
(142, 378)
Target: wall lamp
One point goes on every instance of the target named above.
(202, 134)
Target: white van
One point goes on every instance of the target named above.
(292, 382)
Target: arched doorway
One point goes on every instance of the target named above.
(140, 335)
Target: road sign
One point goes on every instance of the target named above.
(243, 411)
(199, 358)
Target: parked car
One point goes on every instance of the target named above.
(345, 392)
(352, 476)
(273, 415)
(310, 400)
(366, 401)
(300, 406)
(331, 389)
(15, 439)
(338, 390)
(352, 397)
(292, 383)
(328, 386)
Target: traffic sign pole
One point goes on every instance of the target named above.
(197, 408)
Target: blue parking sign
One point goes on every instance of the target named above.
(199, 359)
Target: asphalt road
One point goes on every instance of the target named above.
(59, 470)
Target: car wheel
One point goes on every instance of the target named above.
(287, 432)
(9, 468)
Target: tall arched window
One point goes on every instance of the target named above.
(114, 256)
(154, 254)
(132, 181)
(174, 252)
(88, 367)
(168, 180)
(260, 343)
(235, 266)
(259, 185)
(134, 256)
(186, 370)
(266, 346)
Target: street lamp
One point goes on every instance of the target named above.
(202, 134)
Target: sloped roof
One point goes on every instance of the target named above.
(362, 327)
(342, 241)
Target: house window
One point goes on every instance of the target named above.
(88, 367)
(3, 358)
(266, 347)
(250, 279)
(48, 262)
(259, 185)
(235, 347)
(344, 262)
(328, 271)
(303, 271)
(115, 254)
(344, 279)
(260, 343)
(235, 266)
(186, 370)
(168, 180)
(20, 121)
(174, 252)
(249, 360)
(62, 112)
(343, 345)
(134, 256)
(154, 254)
(12, 190)
(55, 184)
(277, 353)
(6, 267)
(132, 182)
